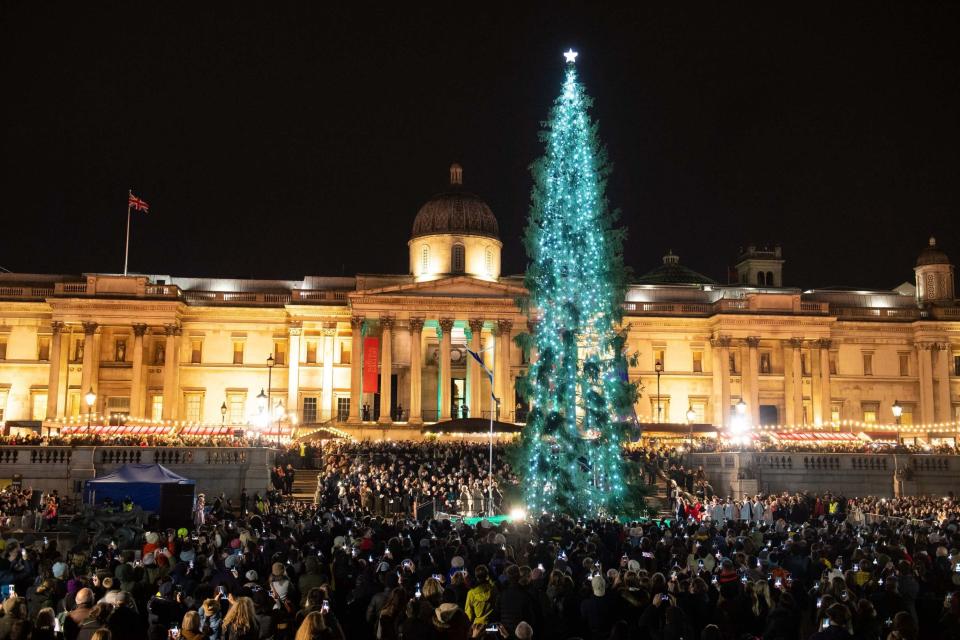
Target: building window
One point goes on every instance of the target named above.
(118, 407)
(700, 410)
(457, 258)
(660, 355)
(196, 350)
(159, 352)
(805, 363)
(904, 364)
(193, 406)
(345, 352)
(156, 407)
(3, 348)
(3, 404)
(343, 409)
(38, 405)
(764, 362)
(236, 408)
(425, 259)
(698, 361)
(120, 350)
(833, 363)
(280, 352)
(906, 416)
(488, 260)
(43, 348)
(836, 411)
(77, 351)
(733, 363)
(238, 352)
(761, 278)
(309, 410)
(868, 364)
(956, 365)
(870, 411)
(660, 409)
(311, 352)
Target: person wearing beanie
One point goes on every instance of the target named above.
(597, 610)
(164, 610)
(14, 612)
(482, 598)
(515, 603)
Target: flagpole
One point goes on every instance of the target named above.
(126, 253)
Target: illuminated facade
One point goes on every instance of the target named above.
(192, 349)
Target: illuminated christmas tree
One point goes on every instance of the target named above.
(581, 399)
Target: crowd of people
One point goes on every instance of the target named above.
(392, 478)
(770, 444)
(130, 440)
(777, 567)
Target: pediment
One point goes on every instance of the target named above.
(452, 287)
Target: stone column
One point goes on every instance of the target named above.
(505, 392)
(826, 397)
(386, 368)
(925, 373)
(721, 380)
(416, 345)
(293, 367)
(326, 391)
(789, 406)
(796, 373)
(816, 383)
(91, 359)
(53, 379)
(754, 398)
(473, 369)
(136, 377)
(356, 369)
(446, 326)
(170, 364)
(944, 405)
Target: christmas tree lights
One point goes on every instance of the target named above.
(580, 398)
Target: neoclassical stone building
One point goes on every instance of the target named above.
(392, 348)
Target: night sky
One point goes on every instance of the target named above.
(301, 140)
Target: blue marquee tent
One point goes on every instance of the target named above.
(142, 482)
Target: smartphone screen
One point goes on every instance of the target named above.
(326, 607)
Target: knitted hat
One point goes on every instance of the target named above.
(152, 538)
(235, 543)
(456, 562)
(149, 560)
(166, 589)
(252, 576)
(188, 555)
(59, 570)
(633, 565)
(499, 539)
(231, 562)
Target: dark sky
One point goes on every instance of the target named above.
(302, 139)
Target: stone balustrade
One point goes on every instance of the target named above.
(849, 474)
(215, 469)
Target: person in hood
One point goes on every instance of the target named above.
(482, 598)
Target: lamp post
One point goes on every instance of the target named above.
(262, 408)
(91, 399)
(897, 412)
(223, 414)
(270, 363)
(658, 367)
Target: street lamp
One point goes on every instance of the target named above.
(91, 399)
(261, 405)
(897, 412)
(691, 416)
(223, 413)
(658, 367)
(270, 363)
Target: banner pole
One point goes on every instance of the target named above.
(126, 253)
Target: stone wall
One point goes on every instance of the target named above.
(845, 473)
(214, 469)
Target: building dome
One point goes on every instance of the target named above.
(455, 212)
(672, 272)
(931, 255)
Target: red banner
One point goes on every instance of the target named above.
(371, 361)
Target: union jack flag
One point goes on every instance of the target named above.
(137, 203)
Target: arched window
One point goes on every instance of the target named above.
(457, 259)
(425, 259)
(769, 278)
(488, 260)
(761, 278)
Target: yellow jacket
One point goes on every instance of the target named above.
(480, 601)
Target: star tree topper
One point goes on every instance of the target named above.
(571, 56)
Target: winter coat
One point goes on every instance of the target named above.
(480, 602)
